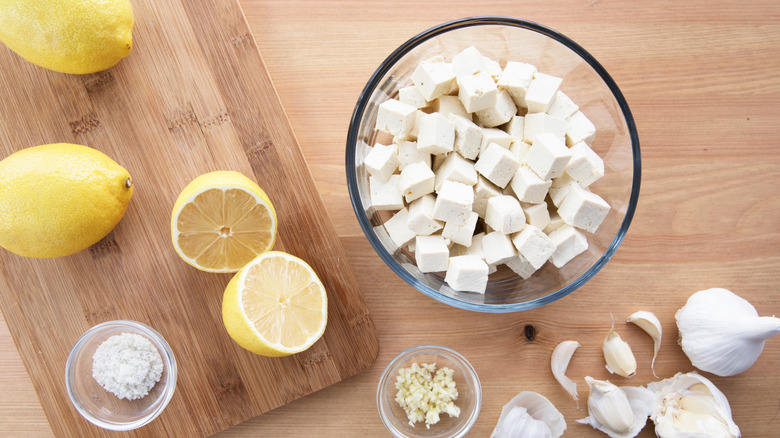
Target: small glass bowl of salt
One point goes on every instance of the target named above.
(120, 375)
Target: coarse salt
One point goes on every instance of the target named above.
(127, 365)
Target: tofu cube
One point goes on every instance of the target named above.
(475, 248)
(386, 195)
(569, 243)
(541, 92)
(467, 62)
(408, 154)
(468, 137)
(520, 149)
(515, 127)
(431, 253)
(467, 274)
(585, 166)
(382, 161)
(562, 107)
(528, 186)
(433, 78)
(497, 164)
(456, 168)
(498, 248)
(418, 115)
(461, 234)
(483, 191)
(395, 118)
(417, 179)
(411, 95)
(497, 136)
(560, 188)
(541, 123)
(420, 219)
(579, 128)
(555, 223)
(492, 68)
(437, 161)
(534, 245)
(454, 202)
(396, 228)
(436, 134)
(504, 214)
(537, 215)
(477, 92)
(515, 79)
(548, 156)
(583, 209)
(447, 105)
(499, 113)
(521, 266)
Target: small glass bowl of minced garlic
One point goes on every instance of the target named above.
(120, 375)
(429, 391)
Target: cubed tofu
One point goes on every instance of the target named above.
(420, 219)
(528, 186)
(541, 123)
(562, 107)
(520, 149)
(585, 166)
(515, 79)
(396, 228)
(477, 91)
(579, 128)
(417, 179)
(395, 118)
(436, 134)
(382, 161)
(497, 136)
(498, 164)
(504, 214)
(456, 168)
(467, 62)
(583, 209)
(515, 127)
(548, 156)
(499, 113)
(438, 160)
(461, 234)
(520, 266)
(498, 248)
(541, 92)
(418, 115)
(492, 68)
(569, 243)
(411, 95)
(454, 202)
(534, 245)
(468, 137)
(560, 188)
(555, 223)
(467, 274)
(447, 105)
(386, 195)
(537, 215)
(475, 248)
(433, 78)
(483, 191)
(431, 253)
(408, 154)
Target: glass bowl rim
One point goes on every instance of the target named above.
(352, 141)
(439, 350)
(168, 359)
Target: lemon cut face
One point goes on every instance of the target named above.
(275, 306)
(221, 221)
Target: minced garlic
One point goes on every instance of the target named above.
(424, 392)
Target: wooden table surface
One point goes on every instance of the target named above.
(702, 79)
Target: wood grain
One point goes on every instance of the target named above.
(701, 80)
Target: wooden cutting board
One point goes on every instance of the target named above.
(193, 96)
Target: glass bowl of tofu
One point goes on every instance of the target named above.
(493, 164)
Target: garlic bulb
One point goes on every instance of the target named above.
(559, 362)
(648, 322)
(529, 414)
(620, 412)
(690, 406)
(722, 333)
(620, 359)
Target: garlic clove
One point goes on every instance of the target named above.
(620, 359)
(689, 405)
(722, 333)
(620, 412)
(559, 362)
(648, 322)
(535, 406)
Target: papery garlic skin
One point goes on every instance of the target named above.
(559, 362)
(620, 412)
(620, 359)
(690, 406)
(722, 333)
(532, 405)
(648, 322)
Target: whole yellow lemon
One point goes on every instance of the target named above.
(58, 199)
(68, 36)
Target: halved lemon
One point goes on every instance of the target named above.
(275, 306)
(221, 221)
